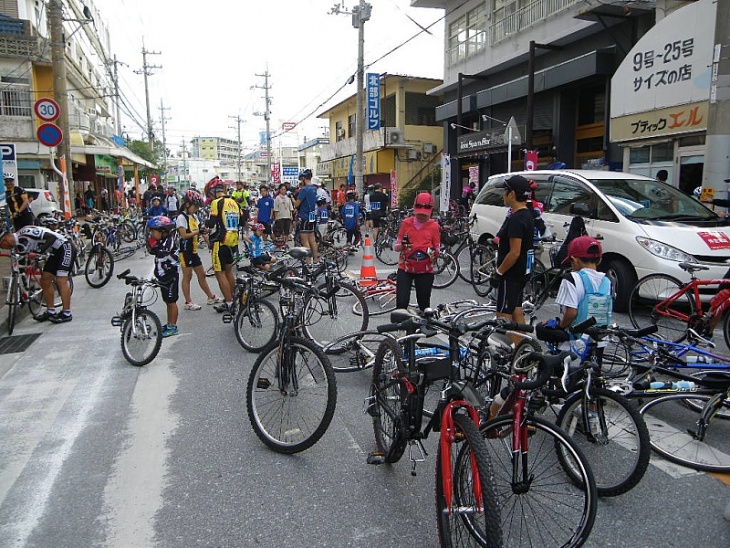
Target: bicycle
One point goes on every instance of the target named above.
(529, 456)
(141, 329)
(465, 499)
(675, 307)
(291, 392)
(99, 265)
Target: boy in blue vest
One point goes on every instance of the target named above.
(350, 213)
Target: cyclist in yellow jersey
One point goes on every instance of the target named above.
(224, 220)
(241, 196)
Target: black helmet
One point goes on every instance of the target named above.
(305, 174)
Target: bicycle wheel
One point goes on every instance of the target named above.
(256, 325)
(538, 503)
(141, 337)
(126, 232)
(384, 249)
(99, 267)
(359, 349)
(467, 518)
(618, 451)
(328, 319)
(463, 257)
(482, 265)
(292, 417)
(445, 270)
(726, 329)
(535, 288)
(713, 379)
(650, 291)
(384, 403)
(12, 301)
(377, 304)
(124, 252)
(676, 435)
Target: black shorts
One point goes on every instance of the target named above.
(61, 260)
(188, 259)
(169, 290)
(282, 226)
(308, 226)
(225, 256)
(509, 295)
(267, 227)
(265, 258)
(377, 219)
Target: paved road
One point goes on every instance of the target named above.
(95, 452)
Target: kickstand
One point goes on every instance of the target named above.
(416, 458)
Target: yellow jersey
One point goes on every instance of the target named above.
(230, 214)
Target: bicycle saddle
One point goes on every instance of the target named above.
(300, 252)
(693, 267)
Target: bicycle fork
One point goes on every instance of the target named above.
(448, 436)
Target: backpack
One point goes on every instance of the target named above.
(597, 302)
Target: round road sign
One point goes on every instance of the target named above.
(46, 109)
(50, 135)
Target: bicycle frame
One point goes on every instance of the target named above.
(664, 308)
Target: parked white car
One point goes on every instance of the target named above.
(644, 225)
(42, 202)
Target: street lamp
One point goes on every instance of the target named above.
(454, 126)
(508, 125)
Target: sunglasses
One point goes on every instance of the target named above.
(423, 206)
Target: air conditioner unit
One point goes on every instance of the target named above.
(394, 136)
(429, 148)
(412, 154)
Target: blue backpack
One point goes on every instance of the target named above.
(598, 302)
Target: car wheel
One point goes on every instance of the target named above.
(623, 279)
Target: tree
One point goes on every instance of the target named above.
(142, 149)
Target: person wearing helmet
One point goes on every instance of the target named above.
(224, 221)
(157, 209)
(259, 257)
(323, 216)
(306, 203)
(351, 215)
(242, 196)
(62, 254)
(189, 229)
(162, 244)
(265, 206)
(379, 204)
(18, 202)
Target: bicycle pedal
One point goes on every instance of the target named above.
(376, 457)
(227, 318)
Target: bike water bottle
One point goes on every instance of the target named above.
(699, 359)
(421, 352)
(685, 385)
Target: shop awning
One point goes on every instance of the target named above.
(117, 152)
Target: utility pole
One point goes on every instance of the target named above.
(717, 155)
(146, 72)
(185, 163)
(115, 78)
(360, 14)
(238, 120)
(267, 116)
(163, 118)
(60, 90)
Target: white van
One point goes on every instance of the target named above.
(644, 225)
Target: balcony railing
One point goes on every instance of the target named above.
(529, 15)
(17, 39)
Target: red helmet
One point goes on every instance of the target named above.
(193, 197)
(257, 226)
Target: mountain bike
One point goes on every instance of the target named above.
(141, 328)
(99, 265)
(255, 319)
(291, 392)
(465, 500)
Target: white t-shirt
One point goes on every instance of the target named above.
(571, 294)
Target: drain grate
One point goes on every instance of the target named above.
(17, 343)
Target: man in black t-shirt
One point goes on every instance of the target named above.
(515, 252)
(378, 208)
(18, 204)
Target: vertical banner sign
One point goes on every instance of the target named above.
(120, 185)
(275, 174)
(474, 175)
(531, 160)
(393, 190)
(10, 167)
(445, 181)
(373, 97)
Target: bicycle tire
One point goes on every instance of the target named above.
(726, 329)
(570, 504)
(36, 300)
(12, 302)
(282, 419)
(377, 304)
(445, 270)
(124, 252)
(256, 325)
(463, 256)
(619, 454)
(482, 266)
(462, 524)
(326, 320)
(384, 402)
(148, 338)
(127, 232)
(99, 267)
(352, 344)
(651, 290)
(384, 249)
(697, 405)
(680, 444)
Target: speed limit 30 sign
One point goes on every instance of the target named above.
(46, 109)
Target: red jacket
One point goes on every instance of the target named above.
(424, 239)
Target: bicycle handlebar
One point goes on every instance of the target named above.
(545, 368)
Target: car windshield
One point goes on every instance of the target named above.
(651, 200)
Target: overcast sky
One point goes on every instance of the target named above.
(211, 51)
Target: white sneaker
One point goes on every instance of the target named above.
(214, 300)
(192, 306)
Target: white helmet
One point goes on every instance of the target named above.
(697, 191)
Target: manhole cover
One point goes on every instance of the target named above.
(17, 343)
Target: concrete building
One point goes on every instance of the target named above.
(547, 63)
(225, 152)
(99, 157)
(403, 154)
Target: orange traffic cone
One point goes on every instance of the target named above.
(368, 276)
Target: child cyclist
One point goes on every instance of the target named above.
(351, 216)
(163, 245)
(259, 257)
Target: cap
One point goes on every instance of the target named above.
(521, 186)
(423, 203)
(584, 247)
(377, 186)
(316, 181)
